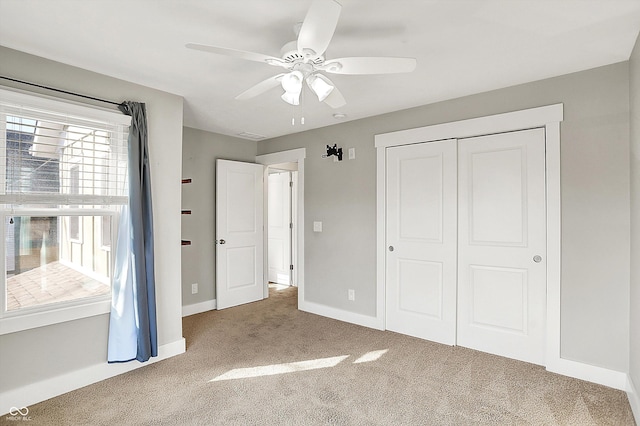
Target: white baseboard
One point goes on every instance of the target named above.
(634, 399)
(590, 373)
(340, 314)
(196, 308)
(49, 388)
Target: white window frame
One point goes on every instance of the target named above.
(43, 315)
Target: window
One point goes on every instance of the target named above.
(63, 179)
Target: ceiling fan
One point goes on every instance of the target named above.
(304, 61)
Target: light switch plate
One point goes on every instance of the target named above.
(352, 153)
(317, 226)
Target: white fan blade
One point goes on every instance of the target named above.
(335, 98)
(370, 65)
(260, 88)
(318, 27)
(249, 56)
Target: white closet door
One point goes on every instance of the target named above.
(421, 241)
(501, 234)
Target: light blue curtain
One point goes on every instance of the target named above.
(132, 327)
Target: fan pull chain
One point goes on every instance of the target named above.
(293, 112)
(293, 115)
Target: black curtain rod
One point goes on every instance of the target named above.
(60, 91)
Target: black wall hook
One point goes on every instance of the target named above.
(334, 150)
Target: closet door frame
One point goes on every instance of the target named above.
(546, 117)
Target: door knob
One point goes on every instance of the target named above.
(390, 248)
(221, 241)
(537, 258)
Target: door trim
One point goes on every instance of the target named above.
(547, 117)
(290, 156)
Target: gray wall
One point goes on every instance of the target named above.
(634, 321)
(200, 150)
(342, 196)
(33, 355)
(595, 202)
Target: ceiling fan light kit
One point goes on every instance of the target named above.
(304, 61)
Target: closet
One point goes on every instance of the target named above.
(465, 241)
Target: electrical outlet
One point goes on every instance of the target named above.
(352, 294)
(194, 288)
(352, 153)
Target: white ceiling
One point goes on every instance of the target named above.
(462, 47)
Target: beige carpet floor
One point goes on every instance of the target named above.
(267, 363)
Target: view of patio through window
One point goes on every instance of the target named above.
(45, 265)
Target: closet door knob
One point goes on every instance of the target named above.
(221, 242)
(537, 258)
(391, 248)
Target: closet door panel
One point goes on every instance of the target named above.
(501, 244)
(421, 240)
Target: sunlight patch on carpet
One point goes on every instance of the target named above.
(371, 356)
(278, 287)
(271, 370)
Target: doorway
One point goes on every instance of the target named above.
(281, 218)
(241, 205)
(288, 161)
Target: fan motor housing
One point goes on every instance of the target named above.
(290, 54)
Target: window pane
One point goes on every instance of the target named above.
(45, 265)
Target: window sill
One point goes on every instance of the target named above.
(21, 322)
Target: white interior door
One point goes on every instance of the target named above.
(280, 224)
(501, 248)
(421, 240)
(239, 233)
